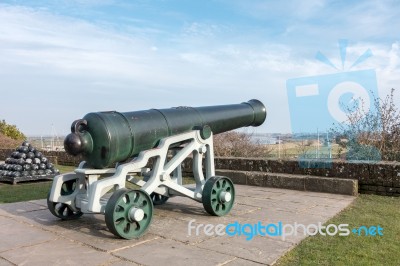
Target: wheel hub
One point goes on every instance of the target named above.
(136, 214)
(225, 196)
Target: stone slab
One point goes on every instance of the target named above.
(4, 262)
(259, 249)
(161, 251)
(58, 252)
(28, 227)
(242, 262)
(15, 234)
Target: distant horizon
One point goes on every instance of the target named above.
(258, 134)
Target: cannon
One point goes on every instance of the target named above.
(147, 149)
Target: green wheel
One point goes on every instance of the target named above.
(62, 210)
(218, 195)
(128, 213)
(158, 199)
(68, 187)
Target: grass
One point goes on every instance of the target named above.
(368, 210)
(38, 190)
(28, 190)
(295, 150)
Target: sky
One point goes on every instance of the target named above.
(61, 59)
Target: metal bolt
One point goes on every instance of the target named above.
(202, 149)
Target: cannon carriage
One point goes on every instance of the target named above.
(146, 148)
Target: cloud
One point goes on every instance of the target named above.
(65, 66)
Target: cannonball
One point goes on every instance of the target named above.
(26, 143)
(23, 149)
(21, 155)
(48, 172)
(38, 154)
(55, 171)
(16, 174)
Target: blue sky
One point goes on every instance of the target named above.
(62, 59)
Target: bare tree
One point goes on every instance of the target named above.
(371, 134)
(237, 144)
(303, 147)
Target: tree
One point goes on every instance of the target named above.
(371, 134)
(11, 131)
(236, 144)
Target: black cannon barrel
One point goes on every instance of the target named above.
(104, 138)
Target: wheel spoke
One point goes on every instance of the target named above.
(118, 207)
(122, 224)
(157, 199)
(141, 223)
(127, 199)
(214, 197)
(60, 210)
(122, 204)
(70, 212)
(136, 197)
(212, 201)
(119, 215)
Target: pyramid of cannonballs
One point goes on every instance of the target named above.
(26, 161)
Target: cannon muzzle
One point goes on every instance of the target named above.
(104, 138)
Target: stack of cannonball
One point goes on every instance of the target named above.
(26, 161)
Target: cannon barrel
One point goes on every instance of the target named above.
(104, 138)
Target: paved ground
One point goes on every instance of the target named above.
(30, 235)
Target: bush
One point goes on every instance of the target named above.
(8, 143)
(236, 144)
(373, 135)
(11, 131)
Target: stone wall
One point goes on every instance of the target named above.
(381, 178)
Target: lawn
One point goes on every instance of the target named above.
(368, 210)
(28, 190)
(38, 190)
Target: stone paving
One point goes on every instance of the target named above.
(30, 235)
